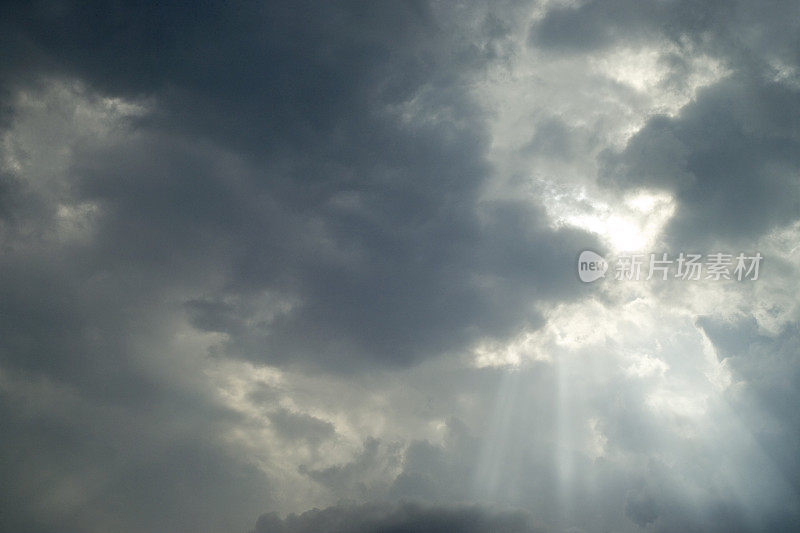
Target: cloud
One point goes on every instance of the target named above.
(334, 186)
(730, 159)
(407, 517)
(290, 256)
(79, 464)
(765, 366)
(729, 156)
(294, 426)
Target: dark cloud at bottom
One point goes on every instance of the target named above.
(377, 518)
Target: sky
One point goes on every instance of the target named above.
(313, 266)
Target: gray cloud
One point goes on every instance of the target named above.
(76, 464)
(408, 517)
(374, 227)
(730, 158)
(249, 253)
(767, 366)
(272, 159)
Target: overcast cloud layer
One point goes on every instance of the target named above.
(311, 266)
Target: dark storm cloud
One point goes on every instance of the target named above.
(305, 179)
(260, 75)
(732, 159)
(305, 187)
(731, 156)
(389, 519)
(369, 222)
(738, 29)
(390, 256)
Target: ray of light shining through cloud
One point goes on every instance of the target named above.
(424, 266)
